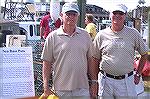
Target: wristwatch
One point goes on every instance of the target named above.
(138, 75)
(93, 82)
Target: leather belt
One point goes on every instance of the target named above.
(116, 77)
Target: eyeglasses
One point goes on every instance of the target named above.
(118, 12)
(71, 13)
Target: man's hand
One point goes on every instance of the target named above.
(46, 93)
(137, 78)
(94, 90)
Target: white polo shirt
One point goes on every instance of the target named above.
(117, 49)
(69, 55)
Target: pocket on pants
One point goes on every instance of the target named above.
(101, 82)
(140, 87)
(131, 90)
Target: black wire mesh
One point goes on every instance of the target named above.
(37, 46)
(37, 64)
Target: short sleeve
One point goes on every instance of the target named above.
(97, 46)
(140, 45)
(47, 53)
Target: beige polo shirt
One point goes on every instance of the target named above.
(117, 49)
(69, 54)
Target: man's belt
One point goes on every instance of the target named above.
(117, 77)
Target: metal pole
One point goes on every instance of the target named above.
(82, 7)
(149, 27)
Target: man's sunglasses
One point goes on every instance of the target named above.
(118, 12)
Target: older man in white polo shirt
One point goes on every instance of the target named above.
(114, 49)
(69, 49)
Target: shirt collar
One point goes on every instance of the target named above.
(110, 30)
(62, 33)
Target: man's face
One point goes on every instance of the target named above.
(70, 18)
(118, 18)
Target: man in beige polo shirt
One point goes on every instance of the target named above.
(69, 49)
(114, 50)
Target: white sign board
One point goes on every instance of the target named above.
(16, 72)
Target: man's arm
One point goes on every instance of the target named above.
(42, 29)
(46, 71)
(140, 68)
(93, 68)
(93, 71)
(141, 63)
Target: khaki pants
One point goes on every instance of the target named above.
(110, 88)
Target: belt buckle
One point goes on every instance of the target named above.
(114, 77)
(117, 77)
